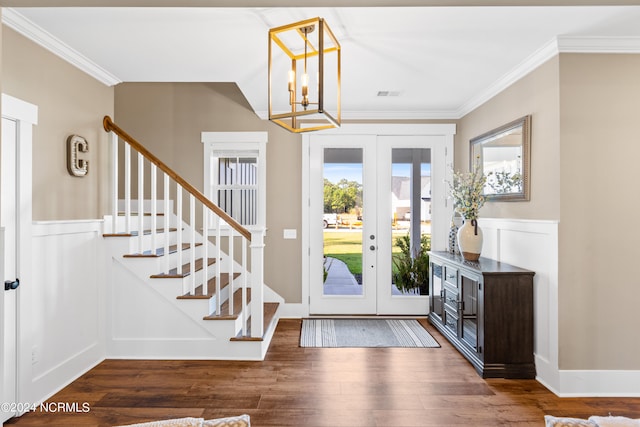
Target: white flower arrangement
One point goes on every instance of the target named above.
(466, 190)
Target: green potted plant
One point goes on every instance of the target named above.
(411, 270)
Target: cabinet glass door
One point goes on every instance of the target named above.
(436, 290)
(469, 302)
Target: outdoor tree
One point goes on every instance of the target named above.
(343, 196)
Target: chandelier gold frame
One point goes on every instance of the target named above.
(307, 113)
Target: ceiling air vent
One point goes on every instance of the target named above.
(383, 93)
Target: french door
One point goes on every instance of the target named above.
(369, 195)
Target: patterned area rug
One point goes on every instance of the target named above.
(365, 333)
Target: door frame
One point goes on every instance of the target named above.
(439, 235)
(26, 116)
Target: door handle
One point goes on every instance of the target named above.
(10, 285)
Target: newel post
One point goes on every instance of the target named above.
(257, 282)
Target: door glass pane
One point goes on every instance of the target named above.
(470, 312)
(411, 220)
(342, 221)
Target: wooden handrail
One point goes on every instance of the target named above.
(109, 126)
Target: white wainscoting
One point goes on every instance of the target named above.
(68, 303)
(533, 244)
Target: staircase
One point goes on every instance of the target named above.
(174, 290)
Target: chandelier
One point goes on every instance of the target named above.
(304, 76)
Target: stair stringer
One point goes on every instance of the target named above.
(144, 324)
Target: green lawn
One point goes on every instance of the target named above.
(347, 247)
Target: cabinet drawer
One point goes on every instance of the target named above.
(451, 275)
(451, 298)
(450, 320)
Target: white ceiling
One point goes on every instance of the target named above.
(443, 61)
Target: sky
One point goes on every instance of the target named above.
(334, 172)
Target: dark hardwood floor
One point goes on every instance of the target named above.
(317, 387)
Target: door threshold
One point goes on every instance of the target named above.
(366, 316)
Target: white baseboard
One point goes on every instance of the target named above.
(294, 311)
(592, 383)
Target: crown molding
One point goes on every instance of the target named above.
(533, 61)
(561, 44)
(586, 44)
(22, 25)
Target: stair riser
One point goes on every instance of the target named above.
(146, 205)
(146, 220)
(147, 241)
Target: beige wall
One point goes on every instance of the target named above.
(168, 119)
(584, 161)
(69, 102)
(584, 155)
(599, 152)
(536, 94)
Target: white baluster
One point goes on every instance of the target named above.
(219, 264)
(127, 188)
(244, 287)
(179, 234)
(167, 224)
(154, 209)
(140, 203)
(231, 262)
(192, 245)
(205, 249)
(114, 182)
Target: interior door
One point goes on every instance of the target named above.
(8, 298)
(367, 193)
(18, 119)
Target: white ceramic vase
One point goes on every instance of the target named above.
(470, 240)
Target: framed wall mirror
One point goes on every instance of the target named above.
(503, 155)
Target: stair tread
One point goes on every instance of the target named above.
(224, 308)
(160, 251)
(135, 233)
(186, 270)
(270, 310)
(143, 214)
(211, 287)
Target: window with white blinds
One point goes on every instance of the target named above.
(236, 187)
(235, 174)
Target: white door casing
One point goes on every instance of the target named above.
(18, 118)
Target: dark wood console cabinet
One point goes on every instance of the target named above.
(485, 309)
